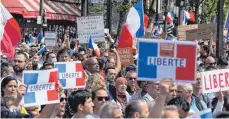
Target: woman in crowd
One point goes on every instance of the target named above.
(122, 96)
(95, 81)
(13, 94)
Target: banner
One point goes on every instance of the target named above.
(42, 87)
(71, 74)
(90, 26)
(160, 59)
(50, 39)
(214, 81)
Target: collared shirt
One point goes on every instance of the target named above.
(137, 95)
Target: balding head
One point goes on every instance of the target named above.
(137, 109)
(210, 59)
(92, 65)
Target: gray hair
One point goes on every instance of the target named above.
(169, 108)
(107, 109)
(188, 87)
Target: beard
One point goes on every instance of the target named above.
(18, 69)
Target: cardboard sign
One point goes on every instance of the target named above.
(214, 81)
(160, 59)
(126, 56)
(181, 35)
(42, 87)
(90, 26)
(203, 32)
(71, 74)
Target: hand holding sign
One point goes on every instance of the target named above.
(21, 90)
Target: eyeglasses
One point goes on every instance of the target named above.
(62, 99)
(131, 78)
(211, 63)
(101, 98)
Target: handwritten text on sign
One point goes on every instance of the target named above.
(126, 56)
(213, 81)
(90, 26)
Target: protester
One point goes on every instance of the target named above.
(137, 109)
(63, 55)
(143, 93)
(100, 97)
(95, 81)
(196, 104)
(51, 56)
(122, 96)
(131, 77)
(81, 103)
(92, 66)
(19, 65)
(170, 112)
(110, 110)
(182, 104)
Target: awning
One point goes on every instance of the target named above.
(53, 10)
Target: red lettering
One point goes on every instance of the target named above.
(220, 80)
(205, 84)
(215, 81)
(210, 78)
(226, 79)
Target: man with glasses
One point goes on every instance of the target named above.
(210, 61)
(131, 77)
(99, 97)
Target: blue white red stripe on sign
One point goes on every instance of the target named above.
(160, 59)
(42, 87)
(71, 74)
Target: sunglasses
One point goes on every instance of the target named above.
(130, 78)
(211, 63)
(101, 98)
(62, 99)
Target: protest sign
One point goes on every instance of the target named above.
(71, 74)
(126, 56)
(50, 39)
(204, 114)
(42, 87)
(90, 26)
(160, 59)
(181, 35)
(214, 81)
(202, 32)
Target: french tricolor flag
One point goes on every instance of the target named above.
(71, 74)
(169, 18)
(10, 33)
(205, 114)
(93, 45)
(134, 26)
(42, 87)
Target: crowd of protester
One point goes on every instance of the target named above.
(111, 91)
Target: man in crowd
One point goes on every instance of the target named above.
(81, 104)
(170, 112)
(110, 110)
(51, 56)
(137, 109)
(131, 77)
(99, 97)
(92, 66)
(143, 93)
(19, 65)
(63, 55)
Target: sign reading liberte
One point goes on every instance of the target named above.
(90, 26)
(214, 81)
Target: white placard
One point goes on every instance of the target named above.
(90, 26)
(214, 81)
